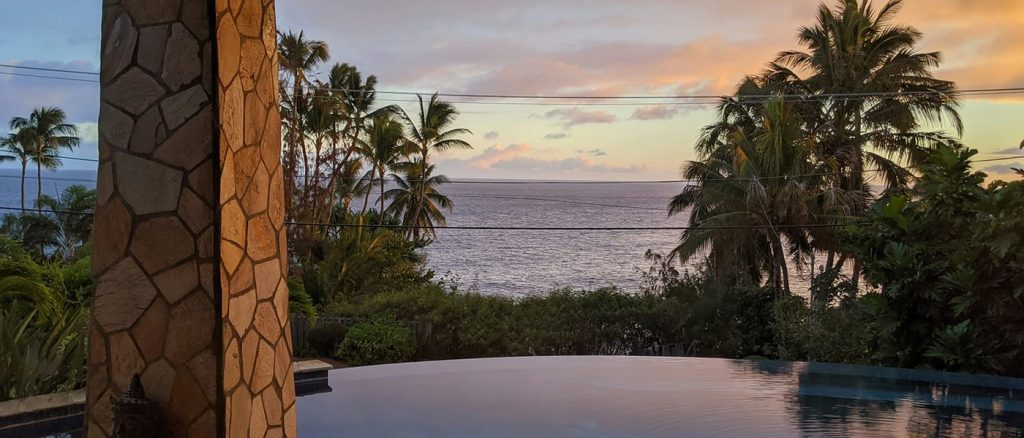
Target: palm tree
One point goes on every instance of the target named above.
(416, 200)
(19, 152)
(45, 132)
(431, 131)
(71, 214)
(298, 57)
(384, 148)
(874, 90)
(744, 208)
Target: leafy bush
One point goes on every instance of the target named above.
(299, 302)
(382, 340)
(950, 266)
(323, 340)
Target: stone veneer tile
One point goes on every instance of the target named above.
(250, 345)
(147, 186)
(158, 380)
(153, 11)
(257, 417)
(180, 107)
(178, 281)
(151, 331)
(228, 52)
(266, 322)
(119, 45)
(149, 130)
(268, 276)
(190, 144)
(239, 406)
(110, 235)
(119, 130)
(161, 242)
(149, 37)
(191, 322)
(135, 91)
(182, 60)
(187, 399)
(263, 373)
(118, 311)
(261, 238)
(125, 359)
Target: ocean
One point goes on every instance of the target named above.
(518, 262)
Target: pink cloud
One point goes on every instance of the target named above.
(570, 117)
(657, 112)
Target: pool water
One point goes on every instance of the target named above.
(657, 397)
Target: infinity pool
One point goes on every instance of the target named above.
(657, 397)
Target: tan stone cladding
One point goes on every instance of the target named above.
(189, 226)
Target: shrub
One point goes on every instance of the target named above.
(324, 339)
(382, 340)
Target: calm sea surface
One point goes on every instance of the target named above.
(517, 262)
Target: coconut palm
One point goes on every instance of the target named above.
(432, 131)
(744, 208)
(298, 57)
(876, 91)
(416, 201)
(19, 152)
(71, 214)
(384, 148)
(46, 132)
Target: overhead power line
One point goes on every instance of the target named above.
(981, 91)
(676, 96)
(494, 227)
(539, 182)
(47, 77)
(55, 70)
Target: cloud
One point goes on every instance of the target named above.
(611, 47)
(574, 116)
(521, 159)
(1004, 168)
(1009, 151)
(657, 112)
(593, 152)
(492, 135)
(88, 132)
(557, 136)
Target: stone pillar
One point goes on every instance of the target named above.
(189, 247)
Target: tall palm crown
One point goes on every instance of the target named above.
(46, 132)
(19, 151)
(71, 218)
(743, 192)
(876, 91)
(416, 200)
(298, 57)
(432, 131)
(384, 148)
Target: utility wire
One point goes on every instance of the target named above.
(47, 77)
(56, 70)
(589, 97)
(529, 182)
(678, 96)
(494, 228)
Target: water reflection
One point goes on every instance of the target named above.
(658, 397)
(839, 400)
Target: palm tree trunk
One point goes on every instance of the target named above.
(366, 197)
(39, 177)
(856, 274)
(419, 195)
(24, 168)
(381, 195)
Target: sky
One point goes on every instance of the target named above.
(534, 47)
